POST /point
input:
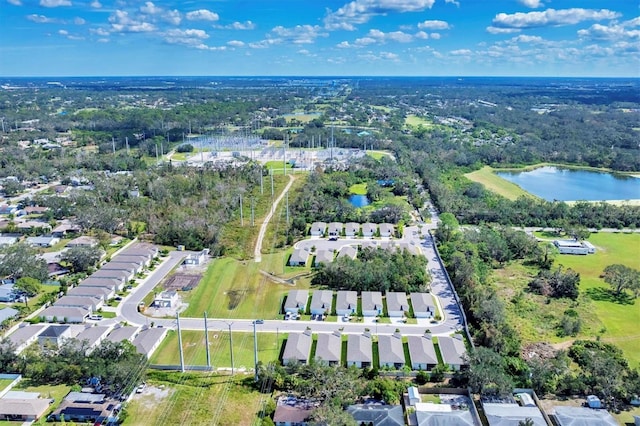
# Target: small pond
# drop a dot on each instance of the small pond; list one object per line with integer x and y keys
{"x": 359, "y": 200}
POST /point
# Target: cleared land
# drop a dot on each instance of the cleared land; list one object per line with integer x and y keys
{"x": 195, "y": 399}
{"x": 615, "y": 321}
{"x": 495, "y": 183}
{"x": 358, "y": 189}
{"x": 414, "y": 120}
{"x": 379, "y": 154}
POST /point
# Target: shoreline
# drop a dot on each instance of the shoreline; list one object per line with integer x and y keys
{"x": 635, "y": 174}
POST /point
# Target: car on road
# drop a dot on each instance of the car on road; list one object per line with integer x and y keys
{"x": 259, "y": 321}
{"x": 95, "y": 317}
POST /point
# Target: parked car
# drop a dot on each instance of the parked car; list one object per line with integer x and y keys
{"x": 95, "y": 317}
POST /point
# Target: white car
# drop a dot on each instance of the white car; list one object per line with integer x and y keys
{"x": 94, "y": 317}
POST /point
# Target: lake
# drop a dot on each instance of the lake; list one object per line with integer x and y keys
{"x": 553, "y": 183}
{"x": 359, "y": 200}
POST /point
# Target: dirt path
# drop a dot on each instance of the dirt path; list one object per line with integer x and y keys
{"x": 257, "y": 252}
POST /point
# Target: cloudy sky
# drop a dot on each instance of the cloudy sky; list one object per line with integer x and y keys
{"x": 320, "y": 37}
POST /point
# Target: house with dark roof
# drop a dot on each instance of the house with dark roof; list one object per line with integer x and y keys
{"x": 297, "y": 348}
{"x": 369, "y": 229}
{"x": 321, "y": 301}
{"x": 371, "y": 303}
{"x": 423, "y": 305}
{"x": 324, "y": 256}
{"x": 318, "y": 229}
{"x": 346, "y": 302}
{"x": 422, "y": 352}
{"x": 377, "y": 415}
{"x": 335, "y": 229}
{"x": 359, "y": 350}
{"x": 54, "y": 335}
{"x": 391, "y": 351}
{"x": 397, "y": 304}
{"x": 329, "y": 348}
{"x": 86, "y": 407}
{"x": 291, "y": 411}
{"x": 453, "y": 351}
{"x": 352, "y": 229}
{"x": 299, "y": 257}
{"x": 296, "y": 301}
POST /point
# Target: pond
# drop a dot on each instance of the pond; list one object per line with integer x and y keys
{"x": 554, "y": 183}
{"x": 359, "y": 200}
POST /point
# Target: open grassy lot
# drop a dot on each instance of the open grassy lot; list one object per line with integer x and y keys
{"x": 495, "y": 183}
{"x": 414, "y": 120}
{"x": 237, "y": 289}
{"x": 173, "y": 398}
{"x": 276, "y": 165}
{"x": 376, "y": 155}
{"x": 358, "y": 189}
{"x": 615, "y": 321}
{"x": 302, "y": 118}
{"x": 193, "y": 345}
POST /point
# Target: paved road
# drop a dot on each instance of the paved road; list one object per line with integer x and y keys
{"x": 257, "y": 253}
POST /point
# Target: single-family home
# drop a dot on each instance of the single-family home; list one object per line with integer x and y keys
{"x": 297, "y": 348}
{"x": 55, "y": 269}
{"x": 64, "y": 314}
{"x": 85, "y": 407}
{"x": 25, "y": 335}
{"x": 511, "y": 413}
{"x": 299, "y": 257}
{"x": 377, "y": 414}
{"x": 423, "y": 305}
{"x": 571, "y": 416}
{"x": 166, "y": 299}
{"x": 92, "y": 304}
{"x": 391, "y": 351}
{"x": 83, "y": 241}
{"x": 8, "y": 239}
{"x": 318, "y": 229}
{"x": 430, "y": 414}
{"x": 397, "y": 304}
{"x": 422, "y": 352}
{"x": 44, "y": 241}
{"x": 198, "y": 258}
{"x": 369, "y": 229}
{"x": 352, "y": 229}
{"x": 21, "y": 409}
{"x": 386, "y": 230}
{"x": 140, "y": 259}
{"x": 130, "y": 267}
{"x": 65, "y": 227}
{"x": 329, "y": 348}
{"x": 121, "y": 333}
{"x": 141, "y": 249}
{"x": 7, "y": 293}
{"x": 122, "y": 276}
{"x": 371, "y": 303}
{"x": 296, "y": 301}
{"x": 347, "y": 302}
{"x": 148, "y": 340}
{"x": 35, "y": 210}
{"x": 359, "y": 350}
{"x": 30, "y": 225}
{"x": 91, "y": 337}
{"x": 7, "y": 314}
{"x": 453, "y": 351}
{"x": 113, "y": 284}
{"x": 292, "y": 412}
{"x": 101, "y": 293}
{"x": 54, "y": 335}
{"x": 335, "y": 229}
{"x": 8, "y": 209}
{"x": 324, "y": 256}
{"x": 321, "y": 301}
{"x": 348, "y": 251}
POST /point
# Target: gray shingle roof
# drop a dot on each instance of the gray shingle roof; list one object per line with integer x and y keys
{"x": 452, "y": 350}
{"x": 397, "y": 301}
{"x": 297, "y": 299}
{"x": 324, "y": 256}
{"x": 148, "y": 339}
{"x": 422, "y": 302}
{"x": 348, "y": 251}
{"x": 421, "y": 350}
{"x": 390, "y": 349}
{"x": 329, "y": 347}
{"x": 122, "y": 333}
{"x": 371, "y": 300}
{"x": 321, "y": 299}
{"x": 347, "y": 300}
{"x": 511, "y": 414}
{"x": 359, "y": 348}
{"x": 379, "y": 415}
{"x": 298, "y": 347}
{"x": 583, "y": 416}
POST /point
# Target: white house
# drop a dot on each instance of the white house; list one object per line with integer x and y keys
{"x": 352, "y": 229}
{"x": 422, "y": 352}
{"x": 386, "y": 230}
{"x": 369, "y": 229}
{"x": 296, "y": 301}
{"x": 64, "y": 314}
{"x": 318, "y": 229}
{"x": 423, "y": 305}
{"x": 347, "y": 302}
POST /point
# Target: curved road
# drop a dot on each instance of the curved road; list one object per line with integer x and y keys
{"x": 416, "y": 235}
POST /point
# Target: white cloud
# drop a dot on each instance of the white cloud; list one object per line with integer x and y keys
{"x": 99, "y": 32}
{"x": 364, "y": 41}
{"x": 103, "y": 40}
{"x": 435, "y": 36}
{"x": 433, "y": 25}
{"x": 460, "y": 52}
{"x": 361, "y": 11}
{"x": 150, "y": 9}
{"x": 202, "y": 15}
{"x": 15, "y": 2}
{"x": 399, "y": 36}
{"x": 263, "y": 44}
{"x": 457, "y": 3}
{"x": 54, "y": 3}
{"x": 496, "y": 30}
{"x": 527, "y": 39}
{"x": 96, "y": 5}
{"x": 63, "y": 32}
{"x": 41, "y": 19}
{"x": 533, "y": 4}
{"x": 614, "y": 31}
{"x": 191, "y": 37}
{"x": 377, "y": 36}
{"x": 344, "y": 45}
{"x": 235, "y": 43}
{"x": 421, "y": 35}
{"x": 389, "y": 55}
{"x": 551, "y": 17}
{"x": 122, "y": 23}
{"x": 246, "y": 25}
{"x": 172, "y": 16}
{"x": 79, "y": 21}
{"x": 300, "y": 34}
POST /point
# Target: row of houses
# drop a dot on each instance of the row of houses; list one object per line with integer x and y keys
{"x": 351, "y": 229}
{"x": 145, "y": 339}
{"x": 92, "y": 293}
{"x": 370, "y": 303}
{"x": 300, "y": 255}
{"x": 391, "y": 350}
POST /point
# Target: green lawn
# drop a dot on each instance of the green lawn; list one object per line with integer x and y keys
{"x": 414, "y": 120}
{"x": 236, "y": 289}
{"x": 193, "y": 344}
{"x": 495, "y": 183}
{"x": 276, "y": 166}
{"x": 358, "y": 189}
{"x": 377, "y": 155}
{"x": 195, "y": 399}
{"x": 5, "y": 382}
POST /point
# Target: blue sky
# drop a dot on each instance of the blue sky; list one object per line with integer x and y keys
{"x": 320, "y": 37}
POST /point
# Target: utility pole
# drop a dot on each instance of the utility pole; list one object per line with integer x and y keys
{"x": 241, "y": 215}
{"x": 180, "y": 343}
{"x": 261, "y": 186}
{"x": 113, "y": 145}
{"x": 206, "y": 340}
{"x": 287, "y": 196}
{"x": 284, "y": 155}
{"x": 157, "y": 158}
{"x": 271, "y": 183}
{"x": 231, "y": 348}
{"x": 252, "y": 212}
{"x": 126, "y": 139}
{"x": 255, "y": 351}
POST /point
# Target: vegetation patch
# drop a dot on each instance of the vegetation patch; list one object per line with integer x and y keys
{"x": 358, "y": 189}
{"x": 491, "y": 181}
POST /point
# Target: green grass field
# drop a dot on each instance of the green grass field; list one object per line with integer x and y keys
{"x": 277, "y": 167}
{"x": 358, "y": 189}
{"x": 495, "y": 183}
{"x": 614, "y": 322}
{"x": 414, "y": 120}
{"x": 195, "y": 399}
{"x": 236, "y": 289}
{"x": 377, "y": 155}
{"x": 193, "y": 345}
